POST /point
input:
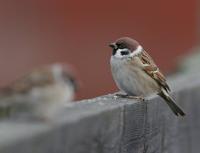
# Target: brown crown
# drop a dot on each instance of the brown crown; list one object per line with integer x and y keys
{"x": 127, "y": 43}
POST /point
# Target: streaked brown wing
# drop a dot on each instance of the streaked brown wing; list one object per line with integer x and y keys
{"x": 19, "y": 86}
{"x": 39, "y": 78}
{"x": 151, "y": 69}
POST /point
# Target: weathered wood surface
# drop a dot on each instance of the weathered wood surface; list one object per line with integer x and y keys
{"x": 106, "y": 125}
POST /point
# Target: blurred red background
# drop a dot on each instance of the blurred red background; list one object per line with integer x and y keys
{"x": 34, "y": 33}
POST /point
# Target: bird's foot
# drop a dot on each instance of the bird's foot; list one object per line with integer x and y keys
{"x": 120, "y": 96}
{"x": 141, "y": 98}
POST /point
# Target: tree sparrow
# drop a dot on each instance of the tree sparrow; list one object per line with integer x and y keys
{"x": 38, "y": 93}
{"x": 135, "y": 72}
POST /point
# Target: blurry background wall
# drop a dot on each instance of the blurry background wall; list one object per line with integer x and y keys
{"x": 37, "y": 32}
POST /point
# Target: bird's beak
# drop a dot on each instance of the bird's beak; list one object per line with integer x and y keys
{"x": 113, "y": 46}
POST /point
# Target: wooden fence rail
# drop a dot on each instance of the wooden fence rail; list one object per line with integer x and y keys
{"x": 106, "y": 125}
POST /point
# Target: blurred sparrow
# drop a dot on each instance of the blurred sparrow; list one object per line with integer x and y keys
{"x": 38, "y": 93}
{"x": 135, "y": 73}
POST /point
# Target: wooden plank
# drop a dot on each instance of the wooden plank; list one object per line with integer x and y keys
{"x": 106, "y": 125}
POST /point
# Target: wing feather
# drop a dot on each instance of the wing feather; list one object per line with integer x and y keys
{"x": 36, "y": 78}
{"x": 152, "y": 70}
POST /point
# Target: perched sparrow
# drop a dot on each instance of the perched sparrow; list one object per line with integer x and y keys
{"x": 39, "y": 93}
{"x": 135, "y": 72}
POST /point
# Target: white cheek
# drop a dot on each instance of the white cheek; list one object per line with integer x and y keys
{"x": 118, "y": 53}
{"x": 137, "y": 51}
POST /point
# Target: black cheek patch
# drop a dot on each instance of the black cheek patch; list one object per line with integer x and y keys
{"x": 124, "y": 52}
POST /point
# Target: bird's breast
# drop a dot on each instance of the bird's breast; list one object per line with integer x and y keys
{"x": 131, "y": 79}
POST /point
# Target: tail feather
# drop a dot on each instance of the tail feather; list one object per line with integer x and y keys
{"x": 176, "y": 109}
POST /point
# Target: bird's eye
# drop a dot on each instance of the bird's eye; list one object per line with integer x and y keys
{"x": 121, "y": 46}
{"x": 124, "y": 53}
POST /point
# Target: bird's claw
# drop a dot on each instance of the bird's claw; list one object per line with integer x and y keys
{"x": 137, "y": 98}
{"x": 115, "y": 97}
{"x": 128, "y": 96}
